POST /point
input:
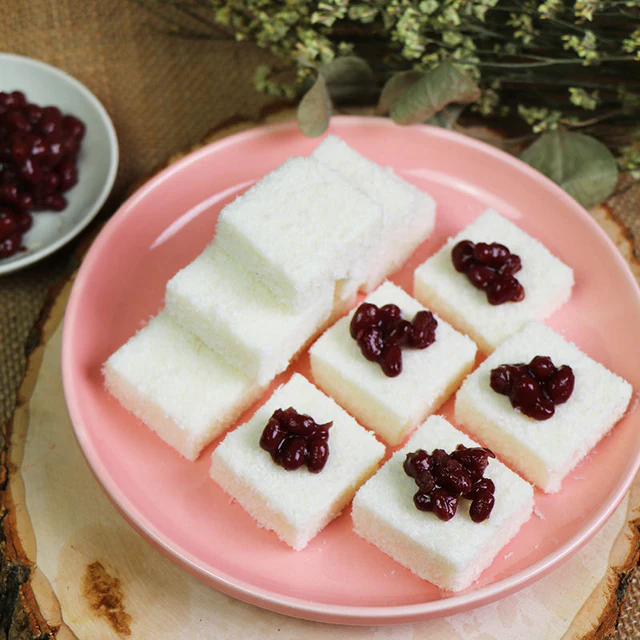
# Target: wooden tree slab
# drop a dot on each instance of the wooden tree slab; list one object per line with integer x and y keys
{"x": 71, "y": 567}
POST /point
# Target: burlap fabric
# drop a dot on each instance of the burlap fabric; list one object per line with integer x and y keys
{"x": 164, "y": 94}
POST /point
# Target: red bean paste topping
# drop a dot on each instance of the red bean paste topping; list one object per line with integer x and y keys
{"x": 444, "y": 478}
{"x": 534, "y": 388}
{"x": 381, "y": 332}
{"x": 489, "y": 267}
{"x": 294, "y": 439}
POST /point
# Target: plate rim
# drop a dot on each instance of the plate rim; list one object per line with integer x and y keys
{"x": 36, "y": 255}
{"x": 299, "y": 607}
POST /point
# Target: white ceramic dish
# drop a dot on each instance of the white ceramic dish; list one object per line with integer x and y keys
{"x": 97, "y": 162}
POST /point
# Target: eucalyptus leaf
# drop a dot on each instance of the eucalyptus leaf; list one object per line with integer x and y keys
{"x": 395, "y": 87}
{"x": 580, "y": 164}
{"x": 431, "y": 93}
{"x": 446, "y": 118}
{"x": 314, "y": 109}
{"x": 349, "y": 80}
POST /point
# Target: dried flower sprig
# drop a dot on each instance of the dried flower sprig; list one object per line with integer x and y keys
{"x": 556, "y": 65}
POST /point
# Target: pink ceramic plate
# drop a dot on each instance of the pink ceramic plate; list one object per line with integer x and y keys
{"x": 339, "y": 577}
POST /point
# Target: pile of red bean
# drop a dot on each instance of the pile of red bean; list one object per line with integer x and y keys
{"x": 490, "y": 268}
{"x": 38, "y": 163}
{"x": 535, "y": 388}
{"x": 444, "y": 478}
{"x": 294, "y": 439}
{"x": 381, "y": 332}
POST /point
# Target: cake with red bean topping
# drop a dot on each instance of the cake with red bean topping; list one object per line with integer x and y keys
{"x": 541, "y": 404}
{"x": 491, "y": 279}
{"x": 447, "y": 545}
{"x": 408, "y": 380}
{"x": 296, "y": 498}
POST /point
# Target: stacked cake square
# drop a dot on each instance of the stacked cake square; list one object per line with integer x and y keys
{"x": 185, "y": 392}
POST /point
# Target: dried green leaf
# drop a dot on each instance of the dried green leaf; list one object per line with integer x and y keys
{"x": 580, "y": 164}
{"x": 431, "y": 93}
{"x": 349, "y": 80}
{"x": 395, "y": 87}
{"x": 314, "y": 109}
